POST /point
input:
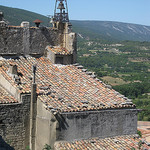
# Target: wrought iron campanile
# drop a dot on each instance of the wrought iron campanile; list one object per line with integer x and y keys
{"x": 61, "y": 11}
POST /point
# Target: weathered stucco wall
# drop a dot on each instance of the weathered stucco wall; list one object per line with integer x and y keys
{"x": 45, "y": 127}
{"x": 103, "y": 124}
{"x": 49, "y": 54}
{"x": 14, "y": 124}
{"x": 25, "y": 41}
{"x": 12, "y": 90}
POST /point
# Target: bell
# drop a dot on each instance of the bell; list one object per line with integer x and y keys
{"x": 61, "y": 6}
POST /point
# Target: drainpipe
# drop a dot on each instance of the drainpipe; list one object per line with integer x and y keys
{"x": 33, "y": 111}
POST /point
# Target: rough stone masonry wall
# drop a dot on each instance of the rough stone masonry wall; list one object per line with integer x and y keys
{"x": 41, "y": 37}
{"x": 102, "y": 124}
{"x": 25, "y": 41}
{"x": 11, "y": 40}
{"x": 14, "y": 124}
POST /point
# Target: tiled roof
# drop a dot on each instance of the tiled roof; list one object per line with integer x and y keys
{"x": 37, "y": 21}
{"x": 115, "y": 143}
{"x": 5, "y": 97}
{"x": 59, "y": 50}
{"x": 64, "y": 88}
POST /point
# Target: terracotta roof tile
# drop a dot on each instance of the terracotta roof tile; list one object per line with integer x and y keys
{"x": 64, "y": 88}
{"x": 59, "y": 50}
{"x": 37, "y": 21}
{"x": 5, "y": 97}
{"x": 115, "y": 143}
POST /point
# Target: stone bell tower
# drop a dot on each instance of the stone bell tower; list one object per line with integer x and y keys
{"x": 67, "y": 39}
{"x": 60, "y": 14}
{"x": 60, "y": 19}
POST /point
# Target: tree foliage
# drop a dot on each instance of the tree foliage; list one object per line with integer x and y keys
{"x": 47, "y": 147}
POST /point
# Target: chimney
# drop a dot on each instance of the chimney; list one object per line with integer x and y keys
{"x": 37, "y": 22}
{"x": 26, "y": 37}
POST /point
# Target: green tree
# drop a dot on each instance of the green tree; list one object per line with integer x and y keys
{"x": 47, "y": 147}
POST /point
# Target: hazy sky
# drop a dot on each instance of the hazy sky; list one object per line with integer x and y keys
{"x": 131, "y": 11}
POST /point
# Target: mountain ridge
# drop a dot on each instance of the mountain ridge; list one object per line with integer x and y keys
{"x": 115, "y": 30}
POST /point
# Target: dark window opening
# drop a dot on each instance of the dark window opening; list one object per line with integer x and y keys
{"x": 59, "y": 60}
{"x": 55, "y": 25}
{"x": 1, "y": 121}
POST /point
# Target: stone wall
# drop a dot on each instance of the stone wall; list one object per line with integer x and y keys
{"x": 11, "y": 40}
{"x": 70, "y": 41}
{"x": 41, "y": 37}
{"x": 83, "y": 125}
{"x": 25, "y": 41}
{"x": 102, "y": 124}
{"x": 14, "y": 124}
